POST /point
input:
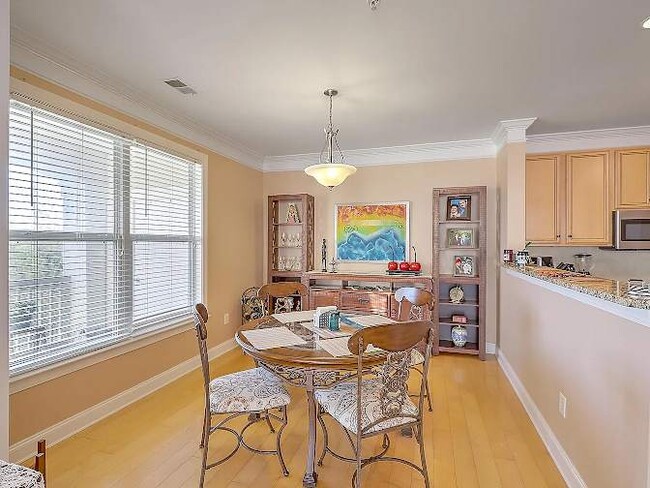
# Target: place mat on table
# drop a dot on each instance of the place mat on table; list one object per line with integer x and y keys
{"x": 369, "y": 320}
{"x": 272, "y": 337}
{"x": 325, "y": 333}
{"x": 338, "y": 347}
{"x": 288, "y": 317}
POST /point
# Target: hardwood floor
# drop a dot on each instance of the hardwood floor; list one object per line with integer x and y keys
{"x": 477, "y": 436}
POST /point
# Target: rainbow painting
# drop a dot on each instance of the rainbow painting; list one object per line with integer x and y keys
{"x": 372, "y": 231}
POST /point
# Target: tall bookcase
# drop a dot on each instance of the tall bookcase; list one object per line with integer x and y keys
{"x": 474, "y": 287}
{"x": 290, "y": 244}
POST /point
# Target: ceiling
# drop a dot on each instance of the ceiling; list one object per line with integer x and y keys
{"x": 414, "y": 71}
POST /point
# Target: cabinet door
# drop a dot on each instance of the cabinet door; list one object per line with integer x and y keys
{"x": 542, "y": 199}
{"x": 632, "y": 178}
{"x": 325, "y": 298}
{"x": 588, "y": 209}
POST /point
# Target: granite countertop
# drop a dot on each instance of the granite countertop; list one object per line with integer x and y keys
{"x": 606, "y": 289}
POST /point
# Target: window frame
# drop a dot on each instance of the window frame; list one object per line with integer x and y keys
{"x": 158, "y": 329}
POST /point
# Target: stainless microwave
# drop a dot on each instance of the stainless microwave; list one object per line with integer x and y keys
{"x": 631, "y": 229}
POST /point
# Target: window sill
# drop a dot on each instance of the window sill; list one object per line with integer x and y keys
{"x": 36, "y": 377}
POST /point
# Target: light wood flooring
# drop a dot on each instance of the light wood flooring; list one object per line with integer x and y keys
{"x": 477, "y": 436}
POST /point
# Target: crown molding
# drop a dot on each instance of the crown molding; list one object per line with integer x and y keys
{"x": 589, "y": 139}
{"x": 383, "y": 156}
{"x": 511, "y": 131}
{"x": 35, "y": 56}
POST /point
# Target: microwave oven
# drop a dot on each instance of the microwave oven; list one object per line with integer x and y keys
{"x": 631, "y": 229}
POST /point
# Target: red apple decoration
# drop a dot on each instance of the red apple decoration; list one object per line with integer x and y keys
{"x": 415, "y": 266}
{"x": 404, "y": 266}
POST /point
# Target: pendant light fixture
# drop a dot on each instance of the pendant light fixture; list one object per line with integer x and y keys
{"x": 332, "y": 171}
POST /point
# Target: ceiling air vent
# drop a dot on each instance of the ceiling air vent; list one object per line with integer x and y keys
{"x": 180, "y": 86}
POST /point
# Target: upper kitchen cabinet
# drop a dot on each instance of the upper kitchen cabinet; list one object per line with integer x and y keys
{"x": 543, "y": 185}
{"x": 632, "y": 178}
{"x": 588, "y": 201}
{"x": 569, "y": 199}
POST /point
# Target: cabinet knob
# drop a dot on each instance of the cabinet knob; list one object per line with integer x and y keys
{"x": 570, "y": 236}
{"x": 557, "y": 236}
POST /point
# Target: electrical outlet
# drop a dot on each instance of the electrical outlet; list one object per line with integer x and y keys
{"x": 562, "y": 405}
{"x": 226, "y": 318}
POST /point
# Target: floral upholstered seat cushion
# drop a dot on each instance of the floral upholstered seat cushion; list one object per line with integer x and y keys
{"x": 341, "y": 403}
{"x": 16, "y": 476}
{"x": 247, "y": 391}
{"x": 416, "y": 357}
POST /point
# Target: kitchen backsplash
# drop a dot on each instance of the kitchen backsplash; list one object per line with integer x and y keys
{"x": 618, "y": 265}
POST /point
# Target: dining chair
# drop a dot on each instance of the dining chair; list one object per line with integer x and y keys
{"x": 414, "y": 303}
{"x": 254, "y": 392}
{"x": 280, "y": 297}
{"x": 378, "y": 402}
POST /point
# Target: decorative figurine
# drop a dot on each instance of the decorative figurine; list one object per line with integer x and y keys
{"x": 323, "y": 256}
{"x": 283, "y": 240}
{"x": 333, "y": 264}
{"x": 292, "y": 214}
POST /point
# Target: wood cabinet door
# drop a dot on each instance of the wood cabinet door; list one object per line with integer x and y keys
{"x": 588, "y": 207}
{"x": 543, "y": 199}
{"x": 632, "y": 179}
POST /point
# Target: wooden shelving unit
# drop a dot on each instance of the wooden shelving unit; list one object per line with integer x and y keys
{"x": 288, "y": 262}
{"x": 474, "y": 287}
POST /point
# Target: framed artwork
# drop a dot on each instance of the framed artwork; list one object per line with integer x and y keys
{"x": 465, "y": 266}
{"x": 371, "y": 232}
{"x": 459, "y": 208}
{"x": 461, "y": 238}
{"x": 292, "y": 214}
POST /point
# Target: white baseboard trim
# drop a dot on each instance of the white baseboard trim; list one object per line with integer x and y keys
{"x": 26, "y": 448}
{"x": 490, "y": 348}
{"x": 560, "y": 457}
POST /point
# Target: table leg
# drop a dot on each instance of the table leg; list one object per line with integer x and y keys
{"x": 310, "y": 478}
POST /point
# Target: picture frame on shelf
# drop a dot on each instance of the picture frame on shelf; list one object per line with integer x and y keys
{"x": 459, "y": 207}
{"x": 461, "y": 238}
{"x": 464, "y": 266}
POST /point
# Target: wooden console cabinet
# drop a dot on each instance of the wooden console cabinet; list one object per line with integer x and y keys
{"x": 352, "y": 291}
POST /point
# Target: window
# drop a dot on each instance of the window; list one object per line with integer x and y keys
{"x": 104, "y": 238}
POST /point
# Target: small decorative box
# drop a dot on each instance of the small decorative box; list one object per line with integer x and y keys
{"x": 459, "y": 319}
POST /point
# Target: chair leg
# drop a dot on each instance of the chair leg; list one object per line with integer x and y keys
{"x": 206, "y": 417}
{"x": 283, "y": 466}
{"x": 325, "y": 437}
{"x": 268, "y": 422}
{"x": 426, "y": 389}
{"x": 206, "y": 443}
{"x": 423, "y": 457}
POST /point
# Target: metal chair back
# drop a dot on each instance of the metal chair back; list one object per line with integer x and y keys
{"x": 398, "y": 340}
{"x": 413, "y": 303}
{"x": 279, "y": 297}
{"x": 200, "y": 324}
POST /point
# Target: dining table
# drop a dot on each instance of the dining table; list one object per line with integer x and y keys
{"x": 308, "y": 365}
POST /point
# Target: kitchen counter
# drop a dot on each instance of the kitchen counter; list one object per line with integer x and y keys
{"x": 610, "y": 290}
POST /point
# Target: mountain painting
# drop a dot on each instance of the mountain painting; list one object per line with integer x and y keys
{"x": 372, "y": 232}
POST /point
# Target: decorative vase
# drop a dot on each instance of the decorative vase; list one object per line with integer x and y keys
{"x": 459, "y": 335}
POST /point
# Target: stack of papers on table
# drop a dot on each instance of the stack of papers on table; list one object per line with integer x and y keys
{"x": 287, "y": 318}
{"x": 272, "y": 337}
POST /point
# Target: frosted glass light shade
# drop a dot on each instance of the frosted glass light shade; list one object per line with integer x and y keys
{"x": 330, "y": 174}
{"x": 646, "y": 23}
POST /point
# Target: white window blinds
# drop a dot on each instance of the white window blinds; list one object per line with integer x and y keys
{"x": 105, "y": 237}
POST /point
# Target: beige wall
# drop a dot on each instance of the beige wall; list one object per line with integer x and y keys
{"x": 412, "y": 182}
{"x": 4, "y": 332}
{"x": 600, "y": 362}
{"x": 233, "y": 262}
